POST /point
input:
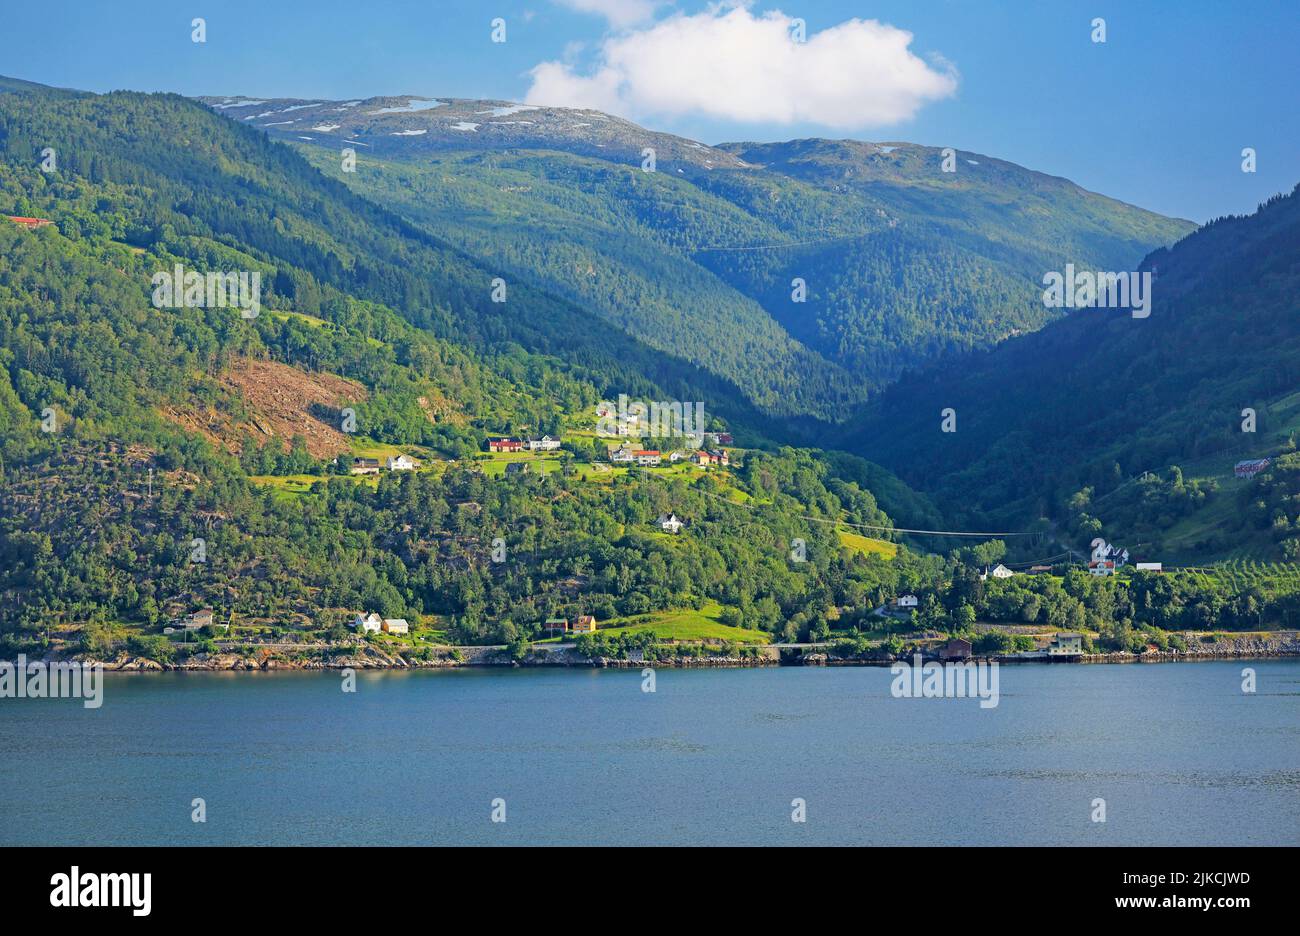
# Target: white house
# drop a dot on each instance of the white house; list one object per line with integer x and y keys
{"x": 197, "y": 619}
{"x": 401, "y": 463}
{"x": 622, "y": 454}
{"x": 544, "y": 444}
{"x": 669, "y": 523}
{"x": 368, "y": 622}
{"x": 647, "y": 457}
{"x": 1101, "y": 567}
{"x": 999, "y": 572}
{"x": 395, "y": 626}
{"x": 905, "y": 601}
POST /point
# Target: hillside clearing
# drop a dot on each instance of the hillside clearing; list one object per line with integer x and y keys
{"x": 687, "y": 625}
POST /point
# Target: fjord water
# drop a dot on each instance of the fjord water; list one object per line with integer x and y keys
{"x": 1177, "y": 751}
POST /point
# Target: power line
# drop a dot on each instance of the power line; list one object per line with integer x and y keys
{"x": 1030, "y": 562}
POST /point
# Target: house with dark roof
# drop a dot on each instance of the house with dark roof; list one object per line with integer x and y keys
{"x": 669, "y": 523}
{"x": 955, "y": 649}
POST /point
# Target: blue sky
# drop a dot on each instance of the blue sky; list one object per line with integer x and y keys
{"x": 1157, "y": 115}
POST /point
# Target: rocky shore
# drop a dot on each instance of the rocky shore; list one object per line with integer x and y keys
{"x": 1232, "y": 647}
{"x": 366, "y": 657}
{"x": 1224, "y": 647}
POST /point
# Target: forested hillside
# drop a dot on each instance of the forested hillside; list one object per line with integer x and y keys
{"x": 1123, "y": 427}
{"x": 911, "y": 262}
{"x": 616, "y": 241}
{"x": 220, "y": 192}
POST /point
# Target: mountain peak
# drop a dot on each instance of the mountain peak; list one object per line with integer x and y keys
{"x": 413, "y": 124}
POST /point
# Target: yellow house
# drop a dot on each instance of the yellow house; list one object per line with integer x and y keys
{"x": 1064, "y": 644}
{"x": 584, "y": 624}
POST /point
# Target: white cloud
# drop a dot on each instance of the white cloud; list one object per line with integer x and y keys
{"x": 620, "y": 13}
{"x": 734, "y": 65}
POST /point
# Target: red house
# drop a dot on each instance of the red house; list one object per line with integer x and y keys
{"x": 29, "y": 222}
{"x": 705, "y": 457}
{"x": 505, "y": 445}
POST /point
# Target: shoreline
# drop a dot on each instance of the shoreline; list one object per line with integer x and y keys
{"x": 495, "y": 657}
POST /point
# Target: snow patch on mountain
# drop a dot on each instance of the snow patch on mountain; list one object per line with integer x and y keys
{"x": 410, "y": 107}
{"x": 509, "y": 110}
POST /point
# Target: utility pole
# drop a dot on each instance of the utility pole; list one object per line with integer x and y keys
{"x": 151, "y": 484}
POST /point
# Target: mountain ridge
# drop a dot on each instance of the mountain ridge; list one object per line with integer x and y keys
{"x": 902, "y": 262}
